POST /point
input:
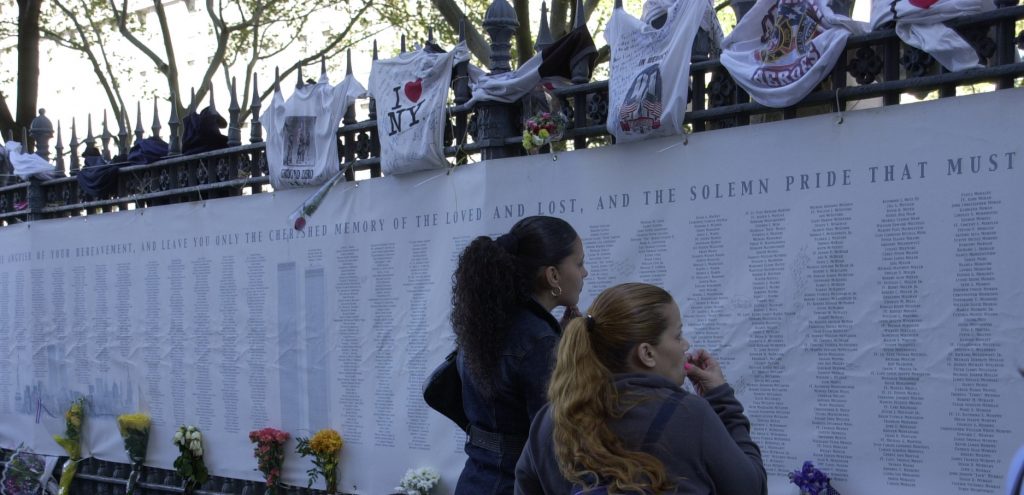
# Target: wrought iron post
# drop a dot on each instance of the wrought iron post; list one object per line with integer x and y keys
{"x": 156, "y": 120}
{"x": 140, "y": 133}
{"x": 350, "y": 112}
{"x": 497, "y": 121}
{"x": 122, "y": 134}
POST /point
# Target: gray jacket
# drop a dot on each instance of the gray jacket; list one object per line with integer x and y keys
{"x": 705, "y": 445}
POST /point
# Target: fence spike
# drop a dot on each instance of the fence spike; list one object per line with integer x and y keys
{"x": 174, "y": 122}
{"x": 156, "y": 119}
{"x": 348, "y": 62}
{"x": 255, "y": 128}
{"x": 544, "y": 34}
{"x": 234, "y": 133}
{"x": 74, "y": 148}
{"x": 58, "y": 148}
{"x": 139, "y": 131}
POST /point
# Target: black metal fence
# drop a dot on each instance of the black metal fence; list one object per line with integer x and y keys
{"x": 876, "y": 66}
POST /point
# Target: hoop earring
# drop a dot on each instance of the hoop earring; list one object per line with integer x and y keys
{"x": 556, "y": 294}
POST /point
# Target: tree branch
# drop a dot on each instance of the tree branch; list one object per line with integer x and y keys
{"x": 452, "y": 14}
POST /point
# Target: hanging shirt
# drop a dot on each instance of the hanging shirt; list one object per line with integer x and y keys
{"x": 411, "y": 91}
{"x": 302, "y": 133}
{"x": 550, "y": 68}
{"x": 919, "y": 23}
{"x": 782, "y": 49}
{"x": 650, "y": 70}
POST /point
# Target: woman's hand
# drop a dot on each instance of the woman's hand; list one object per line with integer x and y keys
{"x": 703, "y": 371}
{"x": 570, "y": 313}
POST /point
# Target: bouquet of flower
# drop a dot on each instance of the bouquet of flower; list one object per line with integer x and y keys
{"x": 270, "y": 455}
{"x": 135, "y": 432}
{"x": 419, "y": 481}
{"x": 812, "y": 481}
{"x": 541, "y": 129}
{"x": 325, "y": 448}
{"x": 22, "y": 472}
{"x": 71, "y": 441}
{"x": 189, "y": 464}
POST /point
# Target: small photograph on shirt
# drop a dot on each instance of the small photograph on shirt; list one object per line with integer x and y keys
{"x": 300, "y": 147}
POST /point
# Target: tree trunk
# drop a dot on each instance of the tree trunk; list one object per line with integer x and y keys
{"x": 28, "y": 63}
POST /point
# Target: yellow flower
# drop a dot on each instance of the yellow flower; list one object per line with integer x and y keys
{"x": 136, "y": 421}
{"x": 326, "y": 441}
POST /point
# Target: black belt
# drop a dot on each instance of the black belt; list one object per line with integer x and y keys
{"x": 496, "y": 442}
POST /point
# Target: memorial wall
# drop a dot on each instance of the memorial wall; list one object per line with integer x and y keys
{"x": 860, "y": 281}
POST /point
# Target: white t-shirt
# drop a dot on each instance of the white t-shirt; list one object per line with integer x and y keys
{"x": 804, "y": 40}
{"x": 650, "y": 71}
{"x": 919, "y": 23}
{"x": 411, "y": 91}
{"x": 302, "y": 133}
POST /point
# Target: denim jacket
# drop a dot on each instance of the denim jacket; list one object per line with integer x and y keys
{"x": 525, "y": 366}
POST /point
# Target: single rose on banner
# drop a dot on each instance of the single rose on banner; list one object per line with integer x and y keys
{"x": 71, "y": 441}
{"x": 419, "y": 481}
{"x": 812, "y": 481}
{"x": 269, "y": 453}
{"x": 189, "y": 464}
{"x": 325, "y": 448}
{"x": 135, "y": 432}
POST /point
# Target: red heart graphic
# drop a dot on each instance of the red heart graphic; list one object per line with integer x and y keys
{"x": 922, "y": 4}
{"x": 413, "y": 90}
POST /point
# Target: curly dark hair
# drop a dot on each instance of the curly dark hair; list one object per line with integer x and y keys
{"x": 493, "y": 279}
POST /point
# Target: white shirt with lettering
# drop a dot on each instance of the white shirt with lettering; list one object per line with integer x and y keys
{"x": 411, "y": 91}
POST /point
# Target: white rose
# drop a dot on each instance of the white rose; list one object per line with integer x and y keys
{"x": 178, "y": 440}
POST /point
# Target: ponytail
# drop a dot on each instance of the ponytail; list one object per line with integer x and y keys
{"x": 487, "y": 288}
{"x": 584, "y": 398}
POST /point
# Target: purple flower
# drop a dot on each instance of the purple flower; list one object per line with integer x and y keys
{"x": 811, "y": 480}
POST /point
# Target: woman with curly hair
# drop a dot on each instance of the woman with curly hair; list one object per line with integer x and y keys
{"x": 618, "y": 421}
{"x": 503, "y": 293}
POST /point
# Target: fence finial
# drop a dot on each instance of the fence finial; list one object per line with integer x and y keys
{"x": 544, "y": 34}
{"x": 105, "y": 136}
{"x": 581, "y": 15}
{"x": 139, "y": 132}
{"x": 430, "y": 34}
{"x": 462, "y": 29}
{"x": 348, "y": 62}
{"x": 255, "y": 129}
{"x": 156, "y": 120}
{"x": 74, "y": 148}
{"x": 59, "y": 149}
{"x": 174, "y": 144}
{"x": 501, "y": 23}
{"x": 213, "y": 106}
{"x": 298, "y": 81}
{"x": 193, "y": 107}
{"x": 403, "y": 44}
{"x": 234, "y": 133}
{"x": 89, "y": 138}
{"x": 373, "y": 101}
{"x": 323, "y": 65}
{"x": 122, "y": 132}
{"x": 277, "y": 78}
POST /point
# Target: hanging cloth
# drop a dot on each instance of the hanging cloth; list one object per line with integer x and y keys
{"x": 302, "y": 133}
{"x": 411, "y": 91}
{"x": 782, "y": 49}
{"x": 650, "y": 69}
{"x": 919, "y": 23}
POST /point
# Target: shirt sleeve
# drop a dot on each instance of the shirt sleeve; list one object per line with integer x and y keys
{"x": 732, "y": 458}
{"x": 535, "y": 372}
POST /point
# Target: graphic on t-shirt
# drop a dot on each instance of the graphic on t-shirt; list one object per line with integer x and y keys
{"x": 412, "y": 91}
{"x": 787, "y": 35}
{"x": 641, "y": 108}
{"x": 300, "y": 146}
